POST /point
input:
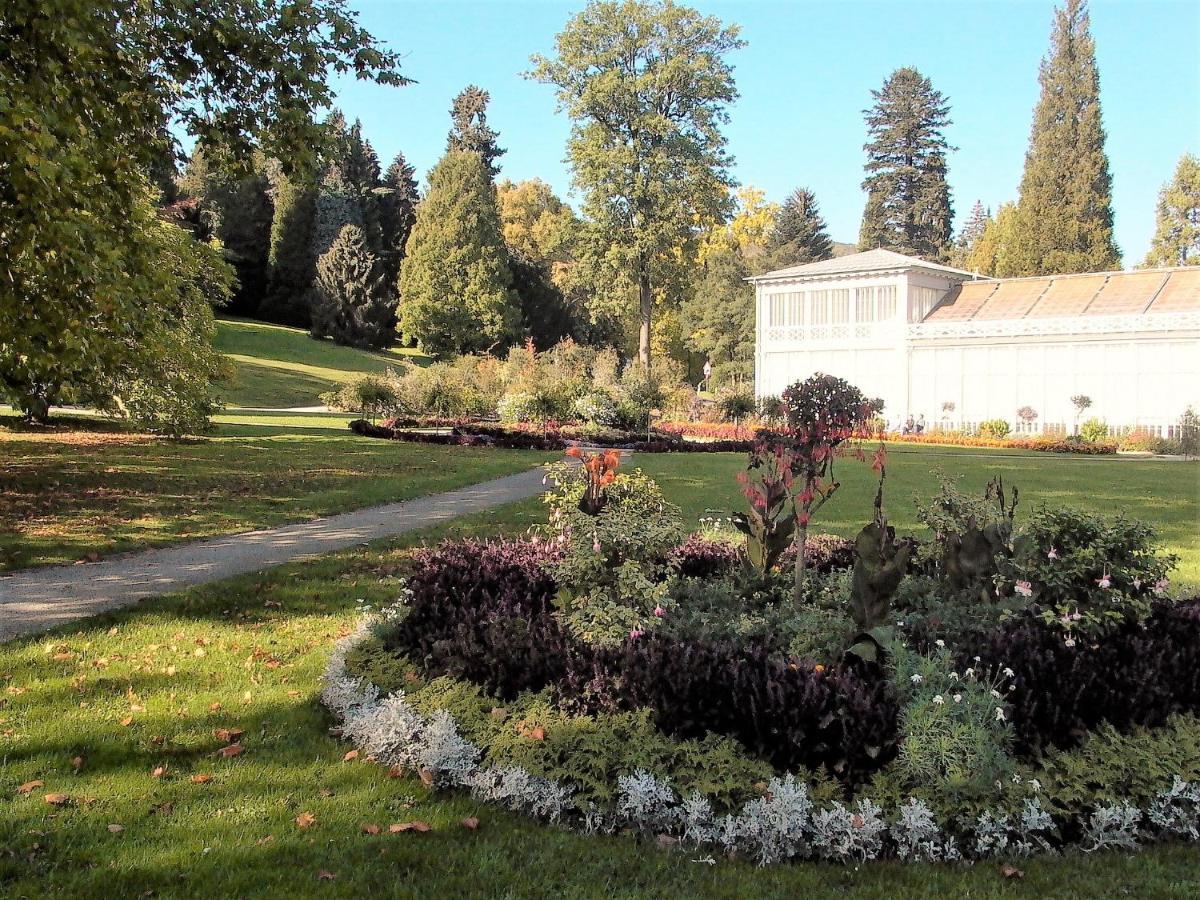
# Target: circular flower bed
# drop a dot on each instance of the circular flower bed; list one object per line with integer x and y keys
{"x": 614, "y": 672}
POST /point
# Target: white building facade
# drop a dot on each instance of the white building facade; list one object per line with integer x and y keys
{"x": 958, "y": 349}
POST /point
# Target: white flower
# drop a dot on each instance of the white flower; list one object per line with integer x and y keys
{"x": 940, "y": 642}
{"x": 917, "y": 679}
{"x": 954, "y": 676}
{"x": 1008, "y": 673}
{"x": 996, "y": 694}
{"x": 1070, "y": 642}
{"x": 1000, "y": 714}
{"x": 939, "y": 700}
{"x": 958, "y": 698}
{"x": 978, "y": 659}
{"x": 1160, "y": 586}
{"x": 1053, "y": 554}
{"x": 1104, "y": 581}
{"x": 1024, "y": 588}
{"x": 970, "y": 673}
{"x": 1035, "y": 784}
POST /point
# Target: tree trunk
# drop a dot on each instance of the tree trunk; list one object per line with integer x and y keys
{"x": 645, "y": 309}
{"x": 801, "y": 541}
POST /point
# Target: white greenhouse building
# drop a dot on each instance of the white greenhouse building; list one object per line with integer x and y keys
{"x": 959, "y": 349}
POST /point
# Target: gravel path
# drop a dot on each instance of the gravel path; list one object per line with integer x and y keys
{"x": 37, "y": 599}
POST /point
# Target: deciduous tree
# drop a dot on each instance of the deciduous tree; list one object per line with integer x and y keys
{"x": 647, "y": 85}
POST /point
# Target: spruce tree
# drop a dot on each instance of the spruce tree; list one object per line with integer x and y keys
{"x": 291, "y": 257}
{"x": 800, "y": 234}
{"x": 361, "y": 170}
{"x": 398, "y": 199}
{"x": 968, "y": 237}
{"x": 469, "y": 129}
{"x": 349, "y": 295}
{"x": 1065, "y": 210}
{"x": 1177, "y": 229}
{"x": 908, "y": 199}
{"x": 455, "y": 284}
{"x": 337, "y": 204}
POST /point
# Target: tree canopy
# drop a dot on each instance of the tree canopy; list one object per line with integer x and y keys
{"x": 908, "y": 198}
{"x": 647, "y": 85}
{"x": 469, "y": 129}
{"x": 1065, "y": 211}
{"x": 1177, "y": 220}
{"x": 800, "y": 234}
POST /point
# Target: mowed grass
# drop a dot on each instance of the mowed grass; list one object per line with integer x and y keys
{"x": 278, "y": 367}
{"x": 81, "y": 494}
{"x": 94, "y": 711}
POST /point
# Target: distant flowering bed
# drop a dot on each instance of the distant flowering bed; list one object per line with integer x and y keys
{"x": 729, "y": 431}
{"x": 471, "y": 680}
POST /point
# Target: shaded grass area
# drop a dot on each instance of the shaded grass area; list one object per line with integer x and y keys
{"x": 1166, "y": 494}
{"x": 127, "y": 693}
{"x": 69, "y": 495}
{"x": 276, "y": 366}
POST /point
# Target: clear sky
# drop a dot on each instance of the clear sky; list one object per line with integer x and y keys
{"x": 804, "y": 78}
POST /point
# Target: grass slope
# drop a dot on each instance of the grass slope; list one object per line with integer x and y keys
{"x": 67, "y": 495}
{"x": 277, "y": 367}
{"x": 130, "y": 694}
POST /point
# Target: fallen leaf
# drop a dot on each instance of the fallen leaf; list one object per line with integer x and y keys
{"x": 352, "y": 754}
{"x": 1007, "y": 871}
{"x": 264, "y": 840}
{"x": 159, "y": 771}
{"x": 398, "y": 827}
{"x": 127, "y": 721}
{"x": 325, "y": 875}
{"x": 201, "y": 779}
{"x": 64, "y": 656}
{"x": 666, "y": 842}
{"x": 370, "y": 829}
{"x": 77, "y": 764}
{"x": 163, "y": 809}
{"x": 426, "y": 778}
{"x": 231, "y": 750}
{"x": 325, "y": 792}
{"x": 58, "y": 799}
{"x": 30, "y": 786}
{"x": 396, "y": 771}
{"x": 470, "y": 822}
{"x": 214, "y": 707}
{"x": 115, "y": 828}
{"x": 538, "y": 734}
{"x": 229, "y": 735}
{"x": 305, "y": 819}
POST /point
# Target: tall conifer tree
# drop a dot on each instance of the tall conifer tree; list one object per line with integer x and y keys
{"x": 800, "y": 234}
{"x": 469, "y": 129}
{"x": 455, "y": 284}
{"x": 972, "y": 231}
{"x": 350, "y": 301}
{"x": 291, "y": 258}
{"x": 398, "y": 199}
{"x": 1177, "y": 226}
{"x": 1065, "y": 211}
{"x": 908, "y": 199}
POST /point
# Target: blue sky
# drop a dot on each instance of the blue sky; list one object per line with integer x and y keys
{"x": 804, "y": 77}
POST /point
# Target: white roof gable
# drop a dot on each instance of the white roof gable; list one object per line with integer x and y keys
{"x": 878, "y": 260}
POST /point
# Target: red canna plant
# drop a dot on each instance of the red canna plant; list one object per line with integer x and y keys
{"x": 600, "y": 470}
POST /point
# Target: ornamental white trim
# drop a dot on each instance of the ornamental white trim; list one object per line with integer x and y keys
{"x": 986, "y": 328}
{"x": 883, "y": 332}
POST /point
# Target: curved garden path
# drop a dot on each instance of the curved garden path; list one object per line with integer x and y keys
{"x": 34, "y": 600}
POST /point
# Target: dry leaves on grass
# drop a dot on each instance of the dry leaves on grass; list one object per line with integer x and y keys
{"x": 470, "y": 823}
{"x": 30, "y": 786}
{"x": 398, "y": 827}
{"x": 305, "y": 820}
{"x": 115, "y": 828}
{"x": 350, "y": 755}
{"x": 58, "y": 799}
{"x": 231, "y": 750}
{"x": 1007, "y": 871}
{"x": 201, "y": 779}
{"x": 159, "y": 771}
{"x": 368, "y": 828}
{"x": 325, "y": 875}
{"x": 229, "y": 735}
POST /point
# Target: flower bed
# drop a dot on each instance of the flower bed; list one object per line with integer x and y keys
{"x": 524, "y": 438}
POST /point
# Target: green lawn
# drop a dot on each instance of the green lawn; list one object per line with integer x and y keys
{"x": 278, "y": 367}
{"x": 67, "y": 495}
{"x": 93, "y": 711}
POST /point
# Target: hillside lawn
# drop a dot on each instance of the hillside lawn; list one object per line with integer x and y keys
{"x": 275, "y": 367}
{"x": 120, "y": 714}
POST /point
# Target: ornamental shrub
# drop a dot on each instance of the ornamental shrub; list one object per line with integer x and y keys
{"x": 1134, "y": 675}
{"x": 700, "y": 557}
{"x": 995, "y": 428}
{"x": 1088, "y": 573}
{"x": 371, "y": 396}
{"x": 612, "y": 571}
{"x": 1094, "y": 430}
{"x": 596, "y": 408}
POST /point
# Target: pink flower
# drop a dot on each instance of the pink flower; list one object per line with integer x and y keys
{"x": 1024, "y": 588}
{"x": 1053, "y": 554}
{"x": 595, "y": 545}
{"x": 1160, "y": 586}
{"x": 635, "y": 634}
{"x": 1104, "y": 581}
{"x": 659, "y": 611}
{"x": 1070, "y": 642}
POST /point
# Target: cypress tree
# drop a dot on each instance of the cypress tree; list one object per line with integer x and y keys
{"x": 454, "y": 280}
{"x": 800, "y": 234}
{"x": 398, "y": 199}
{"x": 908, "y": 199}
{"x": 350, "y": 301}
{"x": 1065, "y": 211}
{"x": 1177, "y": 227}
{"x": 469, "y": 129}
{"x": 291, "y": 257}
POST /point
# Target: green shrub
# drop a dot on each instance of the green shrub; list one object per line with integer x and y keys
{"x": 1189, "y": 433}
{"x": 996, "y": 428}
{"x": 1094, "y": 430}
{"x": 596, "y": 408}
{"x": 465, "y": 387}
{"x": 736, "y": 403}
{"x": 371, "y": 396}
{"x": 529, "y": 407}
{"x": 613, "y": 566}
{"x": 1088, "y": 573}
